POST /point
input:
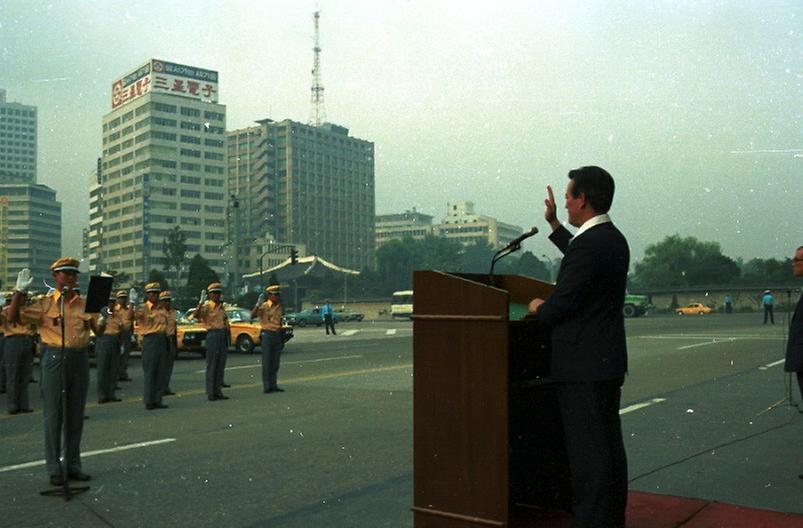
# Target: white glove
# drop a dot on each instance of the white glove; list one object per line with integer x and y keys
{"x": 2, "y": 300}
{"x": 24, "y": 280}
{"x": 104, "y": 314}
{"x": 261, "y": 299}
{"x": 203, "y": 297}
{"x": 133, "y": 297}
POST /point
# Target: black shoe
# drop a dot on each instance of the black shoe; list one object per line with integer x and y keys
{"x": 225, "y": 385}
{"x": 115, "y": 400}
{"x": 32, "y": 381}
{"x": 266, "y": 391}
{"x": 168, "y": 393}
{"x": 117, "y": 387}
{"x": 160, "y": 406}
{"x": 81, "y": 477}
{"x": 212, "y": 398}
{"x": 221, "y": 397}
{"x": 124, "y": 379}
{"x": 276, "y": 389}
{"x": 15, "y": 411}
{"x": 150, "y": 407}
{"x": 26, "y": 410}
{"x": 104, "y": 400}
{"x": 56, "y": 480}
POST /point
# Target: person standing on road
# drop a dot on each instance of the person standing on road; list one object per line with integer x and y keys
{"x": 123, "y": 307}
{"x": 212, "y": 316}
{"x": 152, "y": 323}
{"x": 589, "y": 353}
{"x": 328, "y": 315}
{"x": 794, "y": 346}
{"x": 270, "y": 314}
{"x": 45, "y": 315}
{"x": 17, "y": 364}
{"x": 165, "y": 303}
{"x": 768, "y": 301}
{"x": 107, "y": 352}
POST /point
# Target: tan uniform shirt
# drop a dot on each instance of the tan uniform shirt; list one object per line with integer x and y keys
{"x": 270, "y": 316}
{"x": 114, "y": 323}
{"x": 127, "y": 319}
{"x": 211, "y": 316}
{"x": 14, "y": 329}
{"x": 151, "y": 319}
{"x": 171, "y": 322}
{"x": 45, "y": 315}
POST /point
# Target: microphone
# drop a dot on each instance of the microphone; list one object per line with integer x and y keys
{"x": 521, "y": 238}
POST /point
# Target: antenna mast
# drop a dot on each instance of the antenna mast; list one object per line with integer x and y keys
{"x": 317, "y": 112}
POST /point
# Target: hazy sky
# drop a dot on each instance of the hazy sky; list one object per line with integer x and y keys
{"x": 695, "y": 106}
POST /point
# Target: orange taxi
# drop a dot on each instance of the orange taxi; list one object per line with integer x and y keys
{"x": 694, "y": 308}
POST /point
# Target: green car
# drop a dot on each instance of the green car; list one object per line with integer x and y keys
{"x": 310, "y": 316}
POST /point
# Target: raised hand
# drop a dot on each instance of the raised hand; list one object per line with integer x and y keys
{"x": 104, "y": 315}
{"x": 203, "y": 297}
{"x": 24, "y": 280}
{"x": 261, "y": 299}
{"x": 133, "y": 297}
{"x": 551, "y": 211}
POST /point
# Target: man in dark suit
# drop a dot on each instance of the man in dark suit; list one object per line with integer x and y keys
{"x": 589, "y": 354}
{"x": 794, "y": 347}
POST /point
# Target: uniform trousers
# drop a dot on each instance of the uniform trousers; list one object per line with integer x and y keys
{"x": 125, "y": 351}
{"x": 2, "y": 365}
{"x": 171, "y": 358}
{"x": 154, "y": 358}
{"x": 597, "y": 460}
{"x": 215, "y": 344}
{"x": 75, "y": 363}
{"x": 272, "y": 345}
{"x": 107, "y": 352}
{"x": 768, "y": 313}
{"x": 18, "y": 352}
{"x": 329, "y": 322}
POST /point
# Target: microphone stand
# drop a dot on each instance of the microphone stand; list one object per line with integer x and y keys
{"x": 65, "y": 490}
{"x": 499, "y": 255}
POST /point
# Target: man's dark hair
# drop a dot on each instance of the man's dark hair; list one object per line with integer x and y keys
{"x": 596, "y": 184}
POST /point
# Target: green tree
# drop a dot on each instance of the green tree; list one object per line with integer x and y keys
{"x": 174, "y": 249}
{"x": 200, "y": 275}
{"x": 529, "y": 265}
{"x": 759, "y": 272}
{"x": 683, "y": 262}
{"x": 157, "y": 276}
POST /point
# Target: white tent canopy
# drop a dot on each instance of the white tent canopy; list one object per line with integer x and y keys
{"x": 305, "y": 266}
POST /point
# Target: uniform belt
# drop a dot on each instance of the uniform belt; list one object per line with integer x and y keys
{"x": 154, "y": 334}
{"x": 107, "y": 334}
{"x": 18, "y": 335}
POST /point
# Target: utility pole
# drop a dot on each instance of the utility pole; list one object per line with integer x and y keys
{"x": 317, "y": 112}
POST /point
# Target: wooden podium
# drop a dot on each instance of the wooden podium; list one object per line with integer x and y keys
{"x": 487, "y": 441}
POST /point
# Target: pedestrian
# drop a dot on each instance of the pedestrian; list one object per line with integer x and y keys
{"x": 328, "y": 315}
{"x": 126, "y": 333}
{"x": 165, "y": 303}
{"x": 794, "y": 346}
{"x": 270, "y": 313}
{"x": 17, "y": 363}
{"x": 589, "y": 354}
{"x": 67, "y": 360}
{"x": 152, "y": 323}
{"x": 107, "y": 351}
{"x": 768, "y": 301}
{"x": 212, "y": 316}
{"x": 728, "y": 303}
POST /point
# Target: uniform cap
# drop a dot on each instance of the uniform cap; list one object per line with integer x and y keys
{"x": 766, "y": 291}
{"x": 153, "y": 287}
{"x": 122, "y": 293}
{"x": 65, "y": 264}
{"x": 165, "y": 296}
{"x": 214, "y": 287}
{"x": 274, "y": 289}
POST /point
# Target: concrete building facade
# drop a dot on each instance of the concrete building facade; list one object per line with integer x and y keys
{"x": 163, "y": 165}
{"x": 303, "y": 184}
{"x": 17, "y": 142}
{"x": 462, "y": 223}
{"x": 409, "y": 224}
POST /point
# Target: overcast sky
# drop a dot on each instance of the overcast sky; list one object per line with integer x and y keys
{"x": 695, "y": 107}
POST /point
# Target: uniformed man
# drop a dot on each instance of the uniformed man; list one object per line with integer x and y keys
{"x": 212, "y": 316}
{"x": 270, "y": 314}
{"x": 152, "y": 323}
{"x": 69, "y": 354}
{"x": 165, "y": 303}
{"x": 18, "y": 363}
{"x": 107, "y": 351}
{"x": 126, "y": 330}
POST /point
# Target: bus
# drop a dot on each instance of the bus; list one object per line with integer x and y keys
{"x": 401, "y": 307}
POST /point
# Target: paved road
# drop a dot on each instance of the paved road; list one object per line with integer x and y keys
{"x": 335, "y": 450}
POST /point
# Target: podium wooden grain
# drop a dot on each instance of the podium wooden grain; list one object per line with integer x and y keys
{"x": 488, "y": 448}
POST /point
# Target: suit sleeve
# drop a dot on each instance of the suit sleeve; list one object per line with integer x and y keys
{"x": 561, "y": 238}
{"x": 573, "y": 283}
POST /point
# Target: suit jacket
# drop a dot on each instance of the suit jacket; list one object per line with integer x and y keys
{"x": 584, "y": 311}
{"x": 794, "y": 347}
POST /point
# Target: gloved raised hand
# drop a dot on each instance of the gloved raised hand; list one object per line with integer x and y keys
{"x": 104, "y": 315}
{"x": 24, "y": 280}
{"x": 261, "y": 299}
{"x": 133, "y": 296}
{"x": 203, "y": 297}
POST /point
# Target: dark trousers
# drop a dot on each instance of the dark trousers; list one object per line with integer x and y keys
{"x": 800, "y": 385}
{"x": 107, "y": 357}
{"x": 215, "y": 344}
{"x": 272, "y": 345}
{"x": 76, "y": 365}
{"x": 2, "y": 364}
{"x": 125, "y": 351}
{"x": 154, "y": 356}
{"x": 597, "y": 459}
{"x": 329, "y": 322}
{"x": 171, "y": 359}
{"x": 18, "y": 367}
{"x": 768, "y": 311}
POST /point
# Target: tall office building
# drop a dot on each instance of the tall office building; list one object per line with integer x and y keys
{"x": 463, "y": 224}
{"x": 396, "y": 226}
{"x": 30, "y": 215}
{"x": 17, "y": 142}
{"x": 303, "y": 184}
{"x": 163, "y": 166}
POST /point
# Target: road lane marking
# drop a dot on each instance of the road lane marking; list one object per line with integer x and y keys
{"x": 642, "y": 405}
{"x": 257, "y": 365}
{"x": 690, "y": 336}
{"x": 715, "y": 341}
{"x": 773, "y": 364}
{"x": 92, "y": 453}
{"x": 347, "y": 333}
{"x": 392, "y": 331}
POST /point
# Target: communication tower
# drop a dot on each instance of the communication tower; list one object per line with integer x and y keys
{"x": 317, "y": 112}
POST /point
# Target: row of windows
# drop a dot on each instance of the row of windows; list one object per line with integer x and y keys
{"x": 17, "y": 112}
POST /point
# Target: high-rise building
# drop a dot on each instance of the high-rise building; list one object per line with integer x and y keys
{"x": 163, "y": 166}
{"x": 468, "y": 227}
{"x": 92, "y": 235}
{"x": 409, "y": 224}
{"x": 17, "y": 142}
{"x": 303, "y": 184}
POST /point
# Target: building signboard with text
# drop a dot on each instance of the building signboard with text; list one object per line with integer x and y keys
{"x": 157, "y": 76}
